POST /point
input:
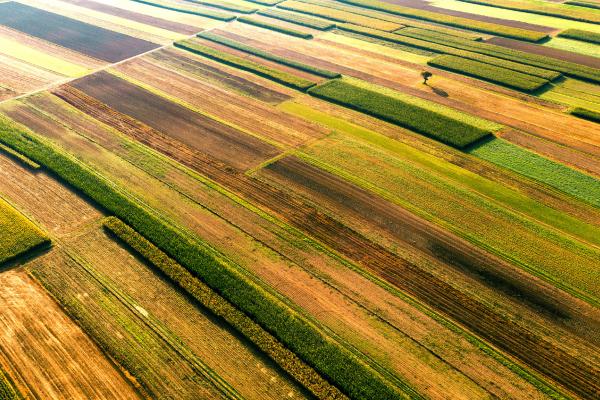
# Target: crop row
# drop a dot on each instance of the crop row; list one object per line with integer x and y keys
{"x": 459, "y": 22}
{"x": 339, "y": 15}
{"x": 19, "y": 157}
{"x": 419, "y": 38}
{"x": 189, "y": 10}
{"x": 332, "y": 360}
{"x": 402, "y": 110}
{"x": 578, "y": 34}
{"x": 225, "y": 6}
{"x": 7, "y": 390}
{"x": 211, "y": 300}
{"x": 266, "y": 2}
{"x": 587, "y": 4}
{"x": 268, "y": 56}
{"x": 276, "y": 28}
{"x": 298, "y": 19}
{"x": 552, "y": 10}
{"x": 247, "y": 65}
{"x": 586, "y": 114}
{"x": 492, "y": 73}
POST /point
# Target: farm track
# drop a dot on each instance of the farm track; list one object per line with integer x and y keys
{"x": 548, "y": 358}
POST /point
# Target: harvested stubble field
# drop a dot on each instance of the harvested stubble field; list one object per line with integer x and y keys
{"x": 292, "y": 212}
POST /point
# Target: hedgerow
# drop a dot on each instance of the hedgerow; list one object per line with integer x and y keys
{"x": 309, "y": 22}
{"x": 247, "y": 65}
{"x": 587, "y": 4}
{"x": 586, "y": 114}
{"x": 216, "y": 304}
{"x": 189, "y": 10}
{"x": 19, "y": 157}
{"x": 502, "y": 76}
{"x": 277, "y": 28}
{"x": 402, "y": 110}
{"x": 332, "y": 360}
{"x": 268, "y": 56}
{"x": 578, "y": 34}
{"x": 225, "y": 6}
{"x": 459, "y": 22}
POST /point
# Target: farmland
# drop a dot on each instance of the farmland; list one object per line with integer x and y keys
{"x": 303, "y": 199}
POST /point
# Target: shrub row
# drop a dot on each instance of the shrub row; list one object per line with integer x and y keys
{"x": 552, "y": 10}
{"x": 268, "y": 56}
{"x": 276, "y": 28}
{"x": 220, "y": 307}
{"x": 586, "y": 114}
{"x": 314, "y": 23}
{"x": 339, "y": 16}
{"x": 459, "y": 22}
{"x": 583, "y": 4}
{"x": 247, "y": 65}
{"x": 403, "y": 110}
{"x": 189, "y": 10}
{"x": 19, "y": 157}
{"x": 226, "y": 6}
{"x": 332, "y": 360}
{"x": 491, "y": 73}
{"x": 578, "y": 34}
{"x": 414, "y": 37}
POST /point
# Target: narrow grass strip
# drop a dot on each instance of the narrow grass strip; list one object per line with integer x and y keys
{"x": 220, "y": 307}
{"x": 403, "y": 110}
{"x": 310, "y": 22}
{"x": 276, "y": 28}
{"x": 247, "y": 65}
{"x": 338, "y": 365}
{"x": 491, "y": 73}
{"x": 578, "y": 34}
{"x": 586, "y": 114}
{"x": 587, "y": 4}
{"x": 225, "y": 6}
{"x": 19, "y": 157}
{"x": 189, "y": 10}
{"x": 567, "y": 180}
{"x": 267, "y": 56}
{"x": 459, "y": 22}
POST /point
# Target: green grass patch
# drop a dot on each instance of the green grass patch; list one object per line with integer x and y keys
{"x": 310, "y": 22}
{"x": 226, "y": 6}
{"x": 438, "y": 122}
{"x": 552, "y": 10}
{"x": 459, "y": 22}
{"x": 189, "y": 10}
{"x": 247, "y": 65}
{"x": 268, "y": 56}
{"x": 578, "y": 34}
{"x": 18, "y": 235}
{"x": 276, "y": 28}
{"x": 587, "y": 4}
{"x": 586, "y": 114}
{"x": 577, "y": 184}
{"x": 333, "y": 361}
{"x": 491, "y": 73}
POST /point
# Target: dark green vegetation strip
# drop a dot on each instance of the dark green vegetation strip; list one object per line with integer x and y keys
{"x": 578, "y": 34}
{"x": 586, "y": 114}
{"x": 553, "y": 10}
{"x": 266, "y": 2}
{"x": 309, "y": 22}
{"x": 583, "y": 4}
{"x": 189, "y": 10}
{"x": 247, "y": 65}
{"x": 459, "y": 22}
{"x": 19, "y": 157}
{"x": 426, "y": 121}
{"x": 7, "y": 389}
{"x": 334, "y": 362}
{"x": 211, "y": 300}
{"x": 502, "y": 76}
{"x": 277, "y": 28}
{"x": 527, "y": 163}
{"x": 225, "y": 6}
{"x": 268, "y": 56}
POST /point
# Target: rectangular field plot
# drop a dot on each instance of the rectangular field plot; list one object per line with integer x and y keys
{"x": 17, "y": 234}
{"x": 90, "y": 40}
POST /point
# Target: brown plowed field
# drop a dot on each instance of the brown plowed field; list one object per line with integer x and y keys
{"x": 549, "y": 358}
{"x": 251, "y": 115}
{"x": 221, "y": 141}
{"x": 47, "y": 352}
{"x": 22, "y": 77}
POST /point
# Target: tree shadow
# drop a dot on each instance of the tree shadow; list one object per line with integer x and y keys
{"x": 439, "y": 92}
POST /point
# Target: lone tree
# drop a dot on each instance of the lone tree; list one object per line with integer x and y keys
{"x": 426, "y": 75}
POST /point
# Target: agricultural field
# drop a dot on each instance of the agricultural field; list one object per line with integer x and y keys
{"x": 300, "y": 199}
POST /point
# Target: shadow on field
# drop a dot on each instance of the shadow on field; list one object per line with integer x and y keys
{"x": 24, "y": 258}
